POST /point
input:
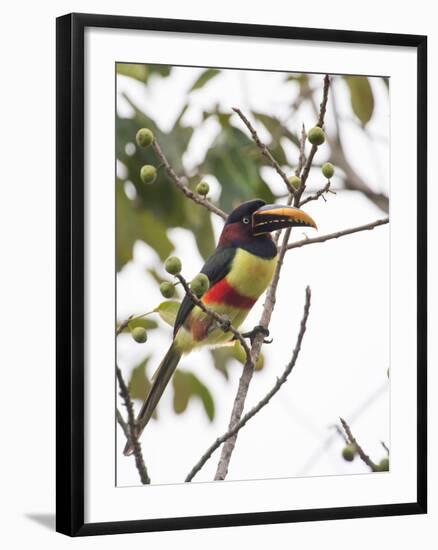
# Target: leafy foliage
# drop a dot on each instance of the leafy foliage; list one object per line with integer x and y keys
{"x": 361, "y": 96}
{"x": 204, "y": 77}
{"x": 168, "y": 311}
{"x": 187, "y": 386}
{"x": 142, "y": 72}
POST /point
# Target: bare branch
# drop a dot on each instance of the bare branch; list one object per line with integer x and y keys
{"x": 263, "y": 402}
{"x": 184, "y": 187}
{"x": 302, "y": 155}
{"x": 363, "y": 456}
{"x": 352, "y": 181}
{"x": 337, "y": 234}
{"x": 223, "y": 322}
{"x": 264, "y": 150}
{"x": 248, "y": 369}
{"x": 316, "y": 195}
{"x": 268, "y": 308}
{"x": 139, "y": 461}
{"x": 122, "y": 424}
{"x": 309, "y": 160}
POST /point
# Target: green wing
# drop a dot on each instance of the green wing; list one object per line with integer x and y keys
{"x": 216, "y": 268}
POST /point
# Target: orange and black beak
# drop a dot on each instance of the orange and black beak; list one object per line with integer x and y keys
{"x": 276, "y": 216}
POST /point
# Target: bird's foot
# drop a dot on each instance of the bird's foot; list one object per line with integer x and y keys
{"x": 258, "y": 329}
{"x": 225, "y": 325}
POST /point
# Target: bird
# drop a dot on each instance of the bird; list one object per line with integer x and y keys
{"x": 239, "y": 271}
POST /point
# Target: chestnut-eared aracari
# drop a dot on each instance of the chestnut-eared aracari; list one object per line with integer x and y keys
{"x": 239, "y": 270}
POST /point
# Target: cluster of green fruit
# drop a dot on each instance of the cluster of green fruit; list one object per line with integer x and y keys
{"x": 145, "y": 138}
{"x": 349, "y": 453}
{"x": 199, "y": 285}
{"x": 316, "y": 136}
{"x": 148, "y": 173}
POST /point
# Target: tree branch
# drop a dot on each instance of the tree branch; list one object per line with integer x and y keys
{"x": 309, "y": 160}
{"x": 263, "y": 402}
{"x": 337, "y": 234}
{"x": 318, "y": 194}
{"x": 363, "y": 456}
{"x": 198, "y": 199}
{"x": 139, "y": 461}
{"x": 352, "y": 181}
{"x": 122, "y": 424}
{"x": 268, "y": 308}
{"x": 264, "y": 150}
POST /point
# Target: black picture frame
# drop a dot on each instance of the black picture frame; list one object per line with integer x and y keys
{"x": 70, "y": 272}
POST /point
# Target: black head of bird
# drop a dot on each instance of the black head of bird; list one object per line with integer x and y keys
{"x": 250, "y": 224}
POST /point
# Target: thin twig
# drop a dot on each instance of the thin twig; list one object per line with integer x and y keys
{"x": 302, "y": 154}
{"x": 385, "y": 446}
{"x": 337, "y": 234}
{"x": 316, "y": 195}
{"x": 264, "y": 150}
{"x": 195, "y": 197}
{"x": 363, "y": 456}
{"x": 139, "y": 461}
{"x": 223, "y": 322}
{"x": 263, "y": 402}
{"x": 122, "y": 424}
{"x": 309, "y": 160}
{"x": 352, "y": 180}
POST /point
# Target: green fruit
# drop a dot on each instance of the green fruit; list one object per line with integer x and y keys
{"x": 348, "y": 453}
{"x": 328, "y": 170}
{"x": 384, "y": 465}
{"x": 316, "y": 136}
{"x": 167, "y": 289}
{"x": 139, "y": 334}
{"x": 239, "y": 352}
{"x": 203, "y": 188}
{"x": 200, "y": 284}
{"x": 173, "y": 265}
{"x": 260, "y": 362}
{"x": 295, "y": 181}
{"x": 144, "y": 137}
{"x": 148, "y": 173}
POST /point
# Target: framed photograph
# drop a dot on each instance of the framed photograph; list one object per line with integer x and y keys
{"x": 241, "y": 274}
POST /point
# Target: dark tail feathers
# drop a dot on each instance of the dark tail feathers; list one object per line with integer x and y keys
{"x": 161, "y": 379}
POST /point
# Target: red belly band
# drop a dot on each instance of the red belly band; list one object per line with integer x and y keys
{"x": 223, "y": 293}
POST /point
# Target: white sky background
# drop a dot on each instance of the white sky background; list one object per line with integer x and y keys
{"x": 345, "y": 353}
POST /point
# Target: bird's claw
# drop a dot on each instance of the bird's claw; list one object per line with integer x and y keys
{"x": 258, "y": 329}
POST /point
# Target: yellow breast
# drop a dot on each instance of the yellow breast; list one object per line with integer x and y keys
{"x": 250, "y": 275}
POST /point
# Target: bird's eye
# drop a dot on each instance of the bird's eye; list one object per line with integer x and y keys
{"x": 245, "y": 219}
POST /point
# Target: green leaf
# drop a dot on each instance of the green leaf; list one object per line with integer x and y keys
{"x": 199, "y": 222}
{"x": 221, "y": 358}
{"x": 168, "y": 311}
{"x": 235, "y": 161}
{"x": 361, "y": 97}
{"x": 203, "y": 78}
{"x": 147, "y": 324}
{"x": 139, "y": 385}
{"x": 186, "y": 386}
{"x": 223, "y": 355}
{"x": 142, "y": 72}
{"x": 135, "y": 223}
